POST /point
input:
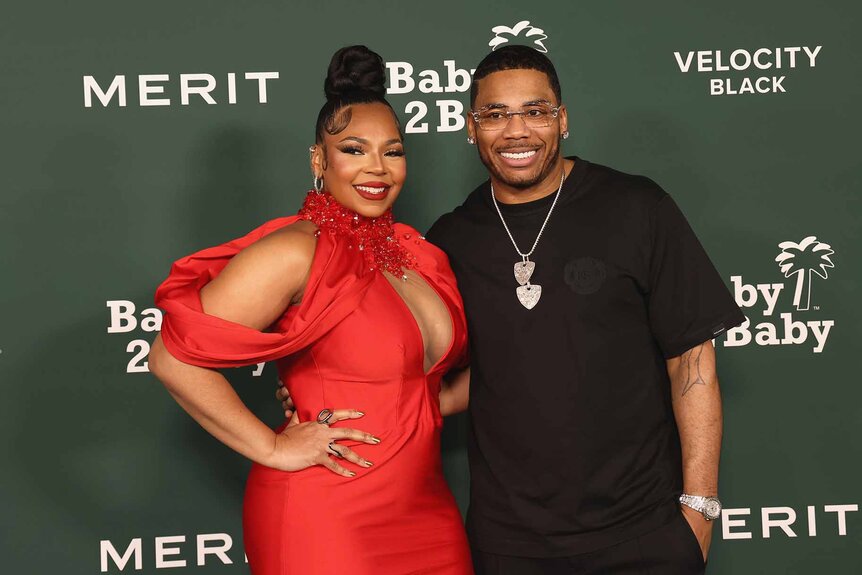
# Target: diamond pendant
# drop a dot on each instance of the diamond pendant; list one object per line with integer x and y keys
{"x": 524, "y": 271}
{"x": 529, "y": 295}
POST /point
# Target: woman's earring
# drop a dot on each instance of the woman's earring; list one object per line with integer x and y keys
{"x": 566, "y": 135}
{"x": 318, "y": 184}
{"x": 470, "y": 140}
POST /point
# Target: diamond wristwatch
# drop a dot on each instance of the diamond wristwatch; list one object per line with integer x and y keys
{"x": 709, "y": 507}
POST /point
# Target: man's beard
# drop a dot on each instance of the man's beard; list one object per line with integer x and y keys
{"x": 523, "y": 183}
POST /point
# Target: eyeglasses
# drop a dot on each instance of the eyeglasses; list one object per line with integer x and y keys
{"x": 535, "y": 116}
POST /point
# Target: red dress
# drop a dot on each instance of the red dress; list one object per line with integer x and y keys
{"x": 352, "y": 342}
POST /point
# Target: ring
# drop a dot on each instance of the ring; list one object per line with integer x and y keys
{"x": 324, "y": 416}
{"x": 331, "y": 449}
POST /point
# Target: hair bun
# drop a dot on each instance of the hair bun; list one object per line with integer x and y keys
{"x": 355, "y": 69}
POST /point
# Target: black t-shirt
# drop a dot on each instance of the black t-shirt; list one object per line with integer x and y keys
{"x": 573, "y": 445}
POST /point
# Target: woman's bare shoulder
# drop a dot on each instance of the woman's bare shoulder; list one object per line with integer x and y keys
{"x": 294, "y": 243}
{"x": 288, "y": 250}
{"x": 262, "y": 280}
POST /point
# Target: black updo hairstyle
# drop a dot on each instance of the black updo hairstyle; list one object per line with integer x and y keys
{"x": 356, "y": 75}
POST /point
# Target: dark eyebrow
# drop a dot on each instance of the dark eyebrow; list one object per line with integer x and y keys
{"x": 366, "y": 142}
{"x": 499, "y": 106}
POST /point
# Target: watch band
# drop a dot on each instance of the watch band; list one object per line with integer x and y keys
{"x": 708, "y": 506}
{"x": 696, "y": 502}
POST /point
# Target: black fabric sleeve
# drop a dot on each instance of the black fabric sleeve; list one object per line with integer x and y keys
{"x": 437, "y": 234}
{"x": 688, "y": 301}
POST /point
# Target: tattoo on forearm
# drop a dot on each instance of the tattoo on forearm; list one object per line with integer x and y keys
{"x": 692, "y": 372}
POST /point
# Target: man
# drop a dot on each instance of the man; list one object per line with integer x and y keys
{"x": 591, "y": 305}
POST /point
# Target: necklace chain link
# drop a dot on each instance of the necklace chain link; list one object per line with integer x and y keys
{"x": 525, "y": 256}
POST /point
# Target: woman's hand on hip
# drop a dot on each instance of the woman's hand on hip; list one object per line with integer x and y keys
{"x": 303, "y": 445}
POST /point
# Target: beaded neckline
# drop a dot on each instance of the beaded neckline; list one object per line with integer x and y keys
{"x": 373, "y": 237}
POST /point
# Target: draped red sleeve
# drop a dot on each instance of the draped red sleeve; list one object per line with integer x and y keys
{"x": 336, "y": 284}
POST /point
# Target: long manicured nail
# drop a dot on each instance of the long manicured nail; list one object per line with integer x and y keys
{"x": 375, "y": 439}
{"x": 352, "y": 473}
{"x": 367, "y": 463}
{"x": 360, "y": 413}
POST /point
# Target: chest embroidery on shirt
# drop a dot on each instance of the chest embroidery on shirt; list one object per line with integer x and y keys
{"x": 585, "y": 275}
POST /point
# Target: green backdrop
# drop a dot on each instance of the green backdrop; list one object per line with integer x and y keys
{"x": 102, "y": 472}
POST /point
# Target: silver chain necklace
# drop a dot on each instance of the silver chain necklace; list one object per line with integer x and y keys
{"x": 528, "y": 294}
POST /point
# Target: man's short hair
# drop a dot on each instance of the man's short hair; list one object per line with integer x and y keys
{"x": 515, "y": 58}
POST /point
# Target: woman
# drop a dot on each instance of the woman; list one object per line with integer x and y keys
{"x": 363, "y": 318}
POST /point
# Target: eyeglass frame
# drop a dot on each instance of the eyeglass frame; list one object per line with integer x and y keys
{"x": 555, "y": 114}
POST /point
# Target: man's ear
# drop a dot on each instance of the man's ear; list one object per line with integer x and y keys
{"x": 471, "y": 127}
{"x": 563, "y": 115}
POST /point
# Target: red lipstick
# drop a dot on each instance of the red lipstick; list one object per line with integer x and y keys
{"x": 375, "y": 191}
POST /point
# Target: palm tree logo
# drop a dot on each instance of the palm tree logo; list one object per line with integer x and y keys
{"x": 804, "y": 259}
{"x": 501, "y": 32}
